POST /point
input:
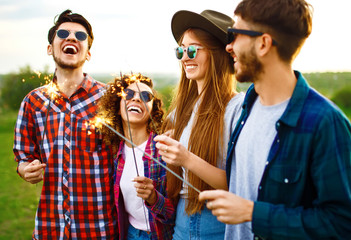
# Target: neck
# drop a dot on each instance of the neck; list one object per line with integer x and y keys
{"x": 68, "y": 80}
{"x": 139, "y": 134}
{"x": 276, "y": 84}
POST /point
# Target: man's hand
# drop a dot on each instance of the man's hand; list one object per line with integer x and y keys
{"x": 32, "y": 171}
{"x": 228, "y": 207}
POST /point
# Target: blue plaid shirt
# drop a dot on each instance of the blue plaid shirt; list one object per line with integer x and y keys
{"x": 305, "y": 190}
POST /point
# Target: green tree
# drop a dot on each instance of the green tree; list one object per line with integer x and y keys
{"x": 15, "y": 86}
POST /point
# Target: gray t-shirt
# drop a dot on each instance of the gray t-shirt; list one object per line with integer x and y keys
{"x": 231, "y": 116}
{"x": 250, "y": 156}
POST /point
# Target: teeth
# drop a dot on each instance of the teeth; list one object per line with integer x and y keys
{"x": 190, "y": 67}
{"x": 70, "y": 49}
{"x": 135, "y": 109}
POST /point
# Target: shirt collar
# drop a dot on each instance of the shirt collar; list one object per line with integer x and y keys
{"x": 293, "y": 111}
{"x": 86, "y": 84}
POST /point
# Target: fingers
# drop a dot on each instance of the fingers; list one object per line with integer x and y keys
{"x": 33, "y": 172}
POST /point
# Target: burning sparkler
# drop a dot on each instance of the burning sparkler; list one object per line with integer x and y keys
{"x": 99, "y": 121}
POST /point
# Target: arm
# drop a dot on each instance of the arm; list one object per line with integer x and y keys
{"x": 174, "y": 153}
{"x": 25, "y": 146}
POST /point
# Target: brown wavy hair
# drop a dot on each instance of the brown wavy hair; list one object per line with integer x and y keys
{"x": 206, "y": 137}
{"x": 109, "y": 106}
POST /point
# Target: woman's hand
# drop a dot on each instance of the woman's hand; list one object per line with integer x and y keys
{"x": 172, "y": 151}
{"x": 145, "y": 189}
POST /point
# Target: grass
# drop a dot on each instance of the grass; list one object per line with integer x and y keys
{"x": 18, "y": 199}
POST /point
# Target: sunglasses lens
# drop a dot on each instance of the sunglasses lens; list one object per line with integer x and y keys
{"x": 191, "y": 51}
{"x": 129, "y": 93}
{"x": 62, "y": 33}
{"x": 81, "y": 36}
{"x": 146, "y": 96}
{"x": 179, "y": 52}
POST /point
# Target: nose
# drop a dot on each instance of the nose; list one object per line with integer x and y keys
{"x": 72, "y": 36}
{"x": 229, "y": 47}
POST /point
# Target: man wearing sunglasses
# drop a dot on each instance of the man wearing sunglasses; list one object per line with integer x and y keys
{"x": 56, "y": 142}
{"x": 289, "y": 157}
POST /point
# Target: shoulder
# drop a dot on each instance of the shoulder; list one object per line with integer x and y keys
{"x": 235, "y": 103}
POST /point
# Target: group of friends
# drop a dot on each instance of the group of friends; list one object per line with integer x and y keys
{"x": 271, "y": 163}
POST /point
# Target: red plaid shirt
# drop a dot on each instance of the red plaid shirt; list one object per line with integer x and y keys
{"x": 77, "y": 200}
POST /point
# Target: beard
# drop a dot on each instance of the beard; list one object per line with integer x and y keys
{"x": 251, "y": 67}
{"x": 64, "y": 65}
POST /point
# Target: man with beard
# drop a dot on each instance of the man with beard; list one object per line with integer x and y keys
{"x": 289, "y": 157}
{"x": 56, "y": 142}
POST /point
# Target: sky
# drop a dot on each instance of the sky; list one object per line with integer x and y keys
{"x": 135, "y": 35}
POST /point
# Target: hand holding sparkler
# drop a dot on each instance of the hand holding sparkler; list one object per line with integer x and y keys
{"x": 145, "y": 189}
{"x": 99, "y": 122}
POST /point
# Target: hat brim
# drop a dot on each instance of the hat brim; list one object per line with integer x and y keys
{"x": 183, "y": 20}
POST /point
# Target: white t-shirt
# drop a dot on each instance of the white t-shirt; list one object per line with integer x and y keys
{"x": 134, "y": 205}
{"x": 250, "y": 157}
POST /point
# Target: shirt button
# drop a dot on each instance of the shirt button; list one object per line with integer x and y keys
{"x": 257, "y": 238}
{"x": 267, "y": 163}
{"x": 278, "y": 124}
{"x": 242, "y": 122}
{"x": 260, "y": 187}
{"x": 278, "y": 141}
{"x": 286, "y": 180}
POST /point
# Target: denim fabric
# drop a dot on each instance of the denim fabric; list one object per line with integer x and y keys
{"x": 197, "y": 226}
{"x": 136, "y": 234}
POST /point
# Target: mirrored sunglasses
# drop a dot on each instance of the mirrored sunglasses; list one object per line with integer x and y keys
{"x": 63, "y": 34}
{"x": 191, "y": 51}
{"x": 144, "y": 95}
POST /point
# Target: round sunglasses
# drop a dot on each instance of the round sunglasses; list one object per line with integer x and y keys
{"x": 63, "y": 34}
{"x": 191, "y": 51}
{"x": 144, "y": 95}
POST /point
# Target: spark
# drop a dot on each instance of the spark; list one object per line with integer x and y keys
{"x": 99, "y": 121}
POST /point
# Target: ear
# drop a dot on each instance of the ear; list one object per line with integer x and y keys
{"x": 49, "y": 49}
{"x": 88, "y": 56}
{"x": 265, "y": 43}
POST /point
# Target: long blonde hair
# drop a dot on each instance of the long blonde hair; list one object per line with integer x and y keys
{"x": 206, "y": 137}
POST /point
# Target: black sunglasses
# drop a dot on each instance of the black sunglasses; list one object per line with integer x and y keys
{"x": 233, "y": 32}
{"x": 191, "y": 51}
{"x": 144, "y": 95}
{"x": 63, "y": 34}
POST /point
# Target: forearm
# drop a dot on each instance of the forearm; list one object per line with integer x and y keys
{"x": 210, "y": 174}
{"x": 163, "y": 209}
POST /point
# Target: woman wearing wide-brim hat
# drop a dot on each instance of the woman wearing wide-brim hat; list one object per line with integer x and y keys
{"x": 202, "y": 115}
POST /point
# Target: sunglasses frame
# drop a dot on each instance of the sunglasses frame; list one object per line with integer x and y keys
{"x": 231, "y": 34}
{"x": 69, "y": 33}
{"x": 145, "y": 99}
{"x": 186, "y": 49}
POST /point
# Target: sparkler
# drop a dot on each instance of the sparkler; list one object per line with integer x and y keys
{"x": 100, "y": 121}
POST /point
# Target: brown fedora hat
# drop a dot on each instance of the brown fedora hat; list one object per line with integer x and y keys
{"x": 213, "y": 22}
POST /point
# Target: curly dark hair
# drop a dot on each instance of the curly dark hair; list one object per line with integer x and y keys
{"x": 109, "y": 106}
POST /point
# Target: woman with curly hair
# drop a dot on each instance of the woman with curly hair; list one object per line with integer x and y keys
{"x": 133, "y": 109}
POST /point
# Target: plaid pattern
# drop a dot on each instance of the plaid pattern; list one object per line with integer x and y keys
{"x": 305, "y": 191}
{"x": 162, "y": 213}
{"x": 76, "y": 201}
